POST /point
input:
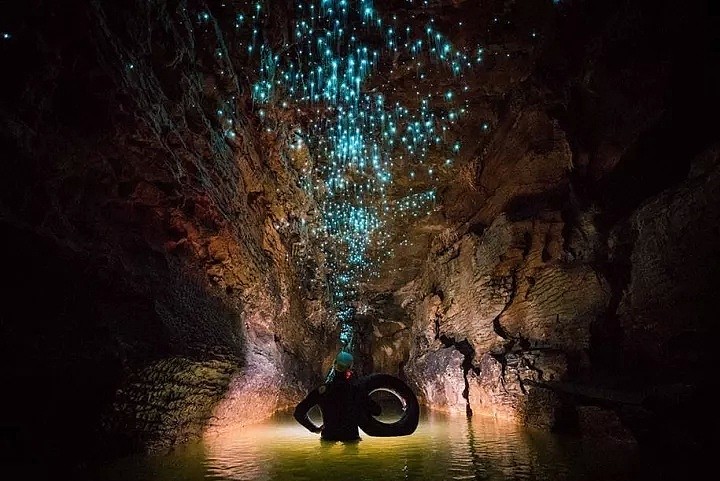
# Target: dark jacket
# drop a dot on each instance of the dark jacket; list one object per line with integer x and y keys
{"x": 342, "y": 402}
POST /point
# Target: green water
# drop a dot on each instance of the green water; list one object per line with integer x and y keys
{"x": 442, "y": 448}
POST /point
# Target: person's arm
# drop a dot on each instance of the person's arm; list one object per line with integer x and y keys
{"x": 302, "y": 409}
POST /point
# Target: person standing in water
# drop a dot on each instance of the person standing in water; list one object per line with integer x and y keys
{"x": 342, "y": 402}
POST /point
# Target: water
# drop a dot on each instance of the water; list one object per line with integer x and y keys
{"x": 443, "y": 448}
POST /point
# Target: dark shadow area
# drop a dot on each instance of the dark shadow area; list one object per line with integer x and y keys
{"x": 62, "y": 356}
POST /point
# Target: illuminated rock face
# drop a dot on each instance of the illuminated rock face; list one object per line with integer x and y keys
{"x": 541, "y": 330}
{"x": 203, "y": 319}
{"x": 501, "y": 290}
{"x": 504, "y": 285}
{"x": 441, "y": 382}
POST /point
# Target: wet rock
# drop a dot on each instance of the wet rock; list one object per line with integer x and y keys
{"x": 491, "y": 392}
{"x": 439, "y": 379}
{"x": 558, "y": 306}
{"x": 506, "y": 387}
{"x": 176, "y": 395}
{"x": 509, "y": 291}
{"x": 218, "y": 249}
{"x": 542, "y": 409}
{"x": 251, "y": 396}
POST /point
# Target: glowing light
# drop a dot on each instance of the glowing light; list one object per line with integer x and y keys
{"x": 358, "y": 140}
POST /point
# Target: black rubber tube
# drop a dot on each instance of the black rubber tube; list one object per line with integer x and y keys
{"x": 411, "y": 412}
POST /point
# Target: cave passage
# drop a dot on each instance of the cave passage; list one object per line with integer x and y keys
{"x": 512, "y": 206}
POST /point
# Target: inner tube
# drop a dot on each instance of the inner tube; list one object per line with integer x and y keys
{"x": 411, "y": 409}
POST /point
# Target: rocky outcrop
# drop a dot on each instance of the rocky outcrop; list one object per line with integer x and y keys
{"x": 508, "y": 320}
{"x": 384, "y": 334}
{"x": 509, "y": 292}
{"x": 169, "y": 402}
{"x": 391, "y": 346}
{"x": 439, "y": 377}
{"x": 509, "y": 387}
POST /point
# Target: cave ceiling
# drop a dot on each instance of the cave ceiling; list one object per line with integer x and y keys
{"x": 391, "y": 106}
{"x": 390, "y": 117}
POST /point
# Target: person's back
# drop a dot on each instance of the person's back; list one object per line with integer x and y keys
{"x": 339, "y": 406}
{"x": 341, "y": 401}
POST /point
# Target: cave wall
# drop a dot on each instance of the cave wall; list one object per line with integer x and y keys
{"x": 571, "y": 287}
{"x": 669, "y": 245}
{"x": 154, "y": 292}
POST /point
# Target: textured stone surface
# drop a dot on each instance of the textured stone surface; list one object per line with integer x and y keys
{"x": 528, "y": 156}
{"x": 491, "y": 392}
{"x": 508, "y": 387}
{"x": 391, "y": 348}
{"x": 440, "y": 379}
{"x": 668, "y": 305}
{"x": 252, "y": 395}
{"x": 470, "y": 290}
{"x": 511, "y": 285}
{"x": 557, "y": 306}
{"x": 169, "y": 402}
{"x": 185, "y": 241}
{"x": 533, "y": 337}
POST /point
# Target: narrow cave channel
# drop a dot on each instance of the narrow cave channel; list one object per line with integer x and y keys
{"x": 510, "y": 208}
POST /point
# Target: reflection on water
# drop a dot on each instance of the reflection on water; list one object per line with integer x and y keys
{"x": 442, "y": 448}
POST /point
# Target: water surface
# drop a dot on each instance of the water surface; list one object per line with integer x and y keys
{"x": 442, "y": 448}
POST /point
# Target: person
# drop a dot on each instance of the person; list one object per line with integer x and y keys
{"x": 343, "y": 403}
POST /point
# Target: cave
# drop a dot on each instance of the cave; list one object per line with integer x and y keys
{"x": 512, "y": 206}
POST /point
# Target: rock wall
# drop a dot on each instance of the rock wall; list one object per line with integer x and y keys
{"x": 499, "y": 331}
{"x": 383, "y": 337}
{"x": 572, "y": 283}
{"x": 503, "y": 292}
{"x": 670, "y": 245}
{"x": 158, "y": 293}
